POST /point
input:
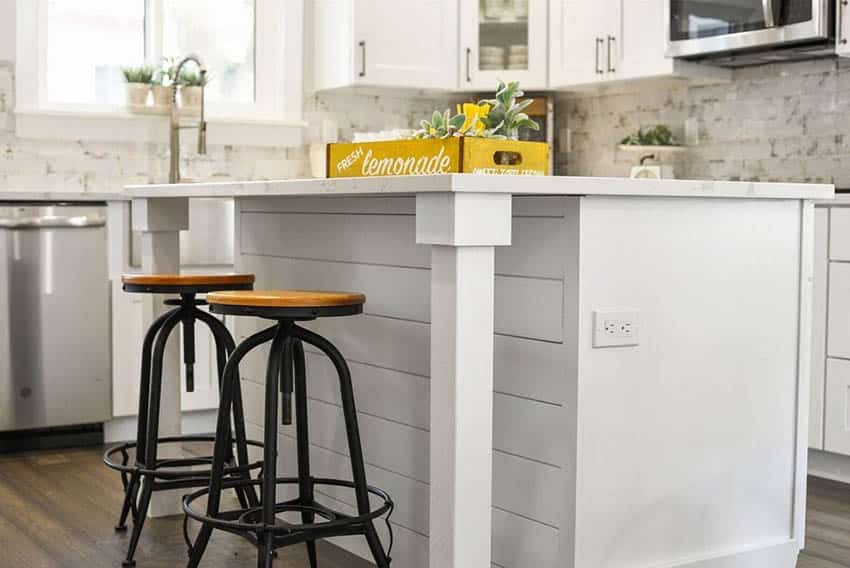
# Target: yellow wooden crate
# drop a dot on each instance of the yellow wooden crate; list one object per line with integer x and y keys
{"x": 424, "y": 157}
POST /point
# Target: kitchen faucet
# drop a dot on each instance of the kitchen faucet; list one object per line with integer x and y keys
{"x": 174, "y": 134}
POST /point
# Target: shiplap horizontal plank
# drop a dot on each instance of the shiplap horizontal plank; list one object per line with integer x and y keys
{"x": 522, "y": 367}
{"x": 369, "y": 239}
{"x": 410, "y": 496}
{"x": 393, "y": 395}
{"x": 390, "y": 291}
{"x": 390, "y": 240}
{"x": 521, "y": 543}
{"x": 527, "y": 488}
{"x": 337, "y": 204}
{"x": 515, "y": 538}
{"x": 524, "y": 206}
{"x": 527, "y": 428}
{"x": 518, "y": 422}
{"x": 525, "y": 307}
{"x": 391, "y": 446}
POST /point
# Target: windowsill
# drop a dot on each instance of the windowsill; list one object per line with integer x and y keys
{"x": 119, "y": 125}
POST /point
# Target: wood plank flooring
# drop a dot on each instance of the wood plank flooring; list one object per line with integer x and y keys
{"x": 57, "y": 509}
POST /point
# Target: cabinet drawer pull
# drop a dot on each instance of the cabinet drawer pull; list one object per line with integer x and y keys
{"x": 611, "y": 40}
{"x": 363, "y": 58}
{"x": 599, "y": 42}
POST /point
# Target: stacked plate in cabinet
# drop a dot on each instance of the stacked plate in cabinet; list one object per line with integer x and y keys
{"x": 518, "y": 56}
{"x": 491, "y": 58}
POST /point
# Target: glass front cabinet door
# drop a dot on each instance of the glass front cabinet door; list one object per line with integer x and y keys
{"x": 503, "y": 39}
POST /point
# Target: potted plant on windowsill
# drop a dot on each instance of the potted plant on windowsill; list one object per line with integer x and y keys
{"x": 139, "y": 80}
{"x": 192, "y": 86}
{"x": 163, "y": 79}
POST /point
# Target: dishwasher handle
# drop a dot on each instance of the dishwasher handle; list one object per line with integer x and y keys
{"x": 52, "y": 222}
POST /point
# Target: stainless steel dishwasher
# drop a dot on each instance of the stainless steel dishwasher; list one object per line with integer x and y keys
{"x": 54, "y": 316}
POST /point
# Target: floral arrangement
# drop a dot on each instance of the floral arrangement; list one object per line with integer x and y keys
{"x": 500, "y": 117}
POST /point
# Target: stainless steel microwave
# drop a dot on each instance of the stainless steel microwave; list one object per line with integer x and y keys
{"x": 729, "y": 28}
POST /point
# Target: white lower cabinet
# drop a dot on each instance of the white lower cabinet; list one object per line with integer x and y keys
{"x": 128, "y": 331}
{"x": 838, "y": 326}
{"x": 819, "y": 315}
{"x": 837, "y": 408}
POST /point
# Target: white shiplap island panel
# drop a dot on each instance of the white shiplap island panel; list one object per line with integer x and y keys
{"x": 685, "y": 450}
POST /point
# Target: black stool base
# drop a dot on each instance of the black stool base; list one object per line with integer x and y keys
{"x": 258, "y": 523}
{"x": 249, "y": 524}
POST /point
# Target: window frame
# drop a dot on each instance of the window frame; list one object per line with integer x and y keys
{"x": 278, "y": 63}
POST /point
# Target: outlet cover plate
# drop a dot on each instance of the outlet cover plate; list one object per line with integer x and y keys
{"x": 616, "y": 327}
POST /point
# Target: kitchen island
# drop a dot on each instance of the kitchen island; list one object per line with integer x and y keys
{"x": 550, "y": 372}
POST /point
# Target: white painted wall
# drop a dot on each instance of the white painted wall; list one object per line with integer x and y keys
{"x": 7, "y": 30}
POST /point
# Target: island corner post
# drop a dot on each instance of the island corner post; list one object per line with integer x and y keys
{"x": 463, "y": 230}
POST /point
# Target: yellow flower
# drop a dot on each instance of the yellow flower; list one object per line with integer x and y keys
{"x": 474, "y": 114}
{"x": 433, "y": 131}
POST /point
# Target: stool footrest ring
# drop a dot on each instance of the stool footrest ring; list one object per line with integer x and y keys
{"x": 246, "y": 522}
{"x": 170, "y": 469}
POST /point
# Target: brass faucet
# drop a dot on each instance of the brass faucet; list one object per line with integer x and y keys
{"x": 174, "y": 134}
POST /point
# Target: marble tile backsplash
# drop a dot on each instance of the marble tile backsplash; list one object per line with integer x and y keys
{"x": 781, "y": 122}
{"x": 97, "y": 166}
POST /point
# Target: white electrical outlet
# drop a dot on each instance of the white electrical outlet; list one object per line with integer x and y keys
{"x": 616, "y": 327}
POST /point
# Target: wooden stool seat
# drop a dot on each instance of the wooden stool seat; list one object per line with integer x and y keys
{"x": 186, "y": 283}
{"x": 296, "y": 304}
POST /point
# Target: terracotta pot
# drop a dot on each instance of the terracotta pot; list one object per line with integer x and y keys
{"x": 137, "y": 96}
{"x": 190, "y": 99}
{"x": 162, "y": 98}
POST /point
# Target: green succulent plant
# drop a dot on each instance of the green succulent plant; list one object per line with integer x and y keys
{"x": 440, "y": 126}
{"x": 501, "y": 117}
{"x": 143, "y": 74}
{"x": 506, "y": 115}
{"x": 658, "y": 135}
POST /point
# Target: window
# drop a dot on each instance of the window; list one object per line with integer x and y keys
{"x": 88, "y": 72}
{"x": 73, "y": 63}
{"x": 224, "y": 38}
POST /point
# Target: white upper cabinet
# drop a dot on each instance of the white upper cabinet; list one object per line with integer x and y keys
{"x": 384, "y": 43}
{"x": 503, "y": 40}
{"x": 580, "y": 36}
{"x": 613, "y": 40}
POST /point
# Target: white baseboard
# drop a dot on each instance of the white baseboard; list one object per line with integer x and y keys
{"x": 829, "y": 466}
{"x": 123, "y": 429}
{"x": 775, "y": 555}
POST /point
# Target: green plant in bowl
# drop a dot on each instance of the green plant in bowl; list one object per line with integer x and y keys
{"x": 658, "y": 135}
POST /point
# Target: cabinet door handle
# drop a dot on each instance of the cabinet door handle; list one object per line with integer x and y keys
{"x": 599, "y": 42}
{"x": 611, "y": 40}
{"x": 842, "y": 6}
{"x": 363, "y": 58}
{"x": 468, "y": 64}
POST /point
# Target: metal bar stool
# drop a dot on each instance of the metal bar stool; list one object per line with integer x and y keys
{"x": 286, "y": 372}
{"x": 147, "y": 473}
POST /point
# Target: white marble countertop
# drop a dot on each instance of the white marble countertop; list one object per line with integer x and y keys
{"x": 36, "y": 195}
{"x": 840, "y": 200}
{"x": 476, "y": 183}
